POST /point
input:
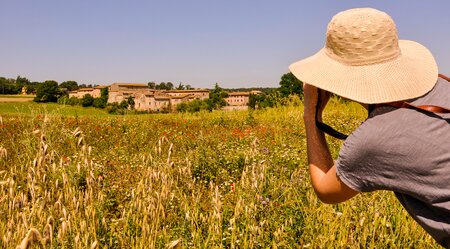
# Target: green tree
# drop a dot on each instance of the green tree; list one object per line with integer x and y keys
{"x": 47, "y": 92}
{"x": 217, "y": 98}
{"x": 31, "y": 88}
{"x": 289, "y": 85}
{"x": 151, "y": 85}
{"x": 161, "y": 86}
{"x": 69, "y": 85}
{"x": 123, "y": 104}
{"x": 22, "y": 81}
{"x": 104, "y": 93}
{"x": 130, "y": 102}
{"x": 180, "y": 87}
{"x": 8, "y": 86}
{"x": 86, "y": 86}
{"x": 87, "y": 100}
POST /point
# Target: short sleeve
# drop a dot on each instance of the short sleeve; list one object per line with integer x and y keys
{"x": 364, "y": 162}
{"x": 352, "y": 166}
{"x": 393, "y": 150}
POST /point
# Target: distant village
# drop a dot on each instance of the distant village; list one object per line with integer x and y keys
{"x": 147, "y": 99}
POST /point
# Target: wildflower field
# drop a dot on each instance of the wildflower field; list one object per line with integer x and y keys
{"x": 81, "y": 179}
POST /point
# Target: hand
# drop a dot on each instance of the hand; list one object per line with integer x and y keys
{"x": 310, "y": 101}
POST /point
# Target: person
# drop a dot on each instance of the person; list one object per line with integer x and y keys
{"x": 404, "y": 150}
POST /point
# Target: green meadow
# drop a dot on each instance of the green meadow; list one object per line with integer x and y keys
{"x": 73, "y": 177}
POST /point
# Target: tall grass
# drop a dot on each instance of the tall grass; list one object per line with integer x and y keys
{"x": 205, "y": 180}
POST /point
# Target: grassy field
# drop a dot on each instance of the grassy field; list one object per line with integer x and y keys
{"x": 51, "y": 109}
{"x": 80, "y": 178}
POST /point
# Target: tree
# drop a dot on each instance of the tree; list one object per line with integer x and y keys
{"x": 8, "y": 86}
{"x": 69, "y": 85}
{"x": 123, "y": 104}
{"x": 169, "y": 86}
{"x": 32, "y": 87}
{"x": 87, "y": 100}
{"x": 86, "y": 86}
{"x": 289, "y": 84}
{"x": 180, "y": 86}
{"x": 266, "y": 99}
{"x": 22, "y": 81}
{"x": 47, "y": 92}
{"x": 151, "y": 85}
{"x": 161, "y": 86}
{"x": 130, "y": 102}
{"x": 104, "y": 93}
{"x": 217, "y": 98}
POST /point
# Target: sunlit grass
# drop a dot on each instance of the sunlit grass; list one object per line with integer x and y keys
{"x": 32, "y": 108}
{"x": 81, "y": 178}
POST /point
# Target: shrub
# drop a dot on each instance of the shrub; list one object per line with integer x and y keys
{"x": 193, "y": 106}
{"x": 87, "y": 100}
{"x": 74, "y": 101}
{"x": 99, "y": 102}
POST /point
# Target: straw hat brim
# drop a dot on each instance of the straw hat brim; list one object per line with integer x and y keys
{"x": 411, "y": 75}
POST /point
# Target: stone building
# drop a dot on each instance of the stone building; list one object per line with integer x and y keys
{"x": 145, "y": 99}
{"x": 97, "y": 91}
{"x": 81, "y": 92}
{"x": 117, "y": 92}
{"x": 238, "y": 98}
{"x": 195, "y": 93}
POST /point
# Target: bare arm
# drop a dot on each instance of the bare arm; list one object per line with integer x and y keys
{"x": 327, "y": 185}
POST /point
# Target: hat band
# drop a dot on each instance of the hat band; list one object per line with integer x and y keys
{"x": 386, "y": 57}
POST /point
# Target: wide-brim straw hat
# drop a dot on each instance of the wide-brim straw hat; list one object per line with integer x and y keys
{"x": 364, "y": 61}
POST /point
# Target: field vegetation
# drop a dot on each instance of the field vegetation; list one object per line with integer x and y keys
{"x": 73, "y": 177}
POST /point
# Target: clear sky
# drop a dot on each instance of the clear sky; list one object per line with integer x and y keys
{"x": 236, "y": 43}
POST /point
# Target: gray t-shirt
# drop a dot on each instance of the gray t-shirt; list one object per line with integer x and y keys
{"x": 408, "y": 152}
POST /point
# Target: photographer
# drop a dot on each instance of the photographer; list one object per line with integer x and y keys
{"x": 404, "y": 144}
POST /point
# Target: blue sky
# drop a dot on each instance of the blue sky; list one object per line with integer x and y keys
{"x": 236, "y": 43}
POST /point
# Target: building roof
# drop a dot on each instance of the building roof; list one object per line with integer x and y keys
{"x": 181, "y": 96}
{"x": 131, "y": 84}
{"x": 186, "y": 91}
{"x": 238, "y": 94}
{"x": 100, "y": 87}
{"x": 85, "y": 89}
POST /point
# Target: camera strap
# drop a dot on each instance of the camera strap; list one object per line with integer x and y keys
{"x": 426, "y": 108}
{"x": 324, "y": 127}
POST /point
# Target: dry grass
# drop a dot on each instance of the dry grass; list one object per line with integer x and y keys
{"x": 209, "y": 180}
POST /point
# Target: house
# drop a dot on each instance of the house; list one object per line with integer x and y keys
{"x": 196, "y": 93}
{"x": 145, "y": 99}
{"x": 238, "y": 98}
{"x": 97, "y": 91}
{"x": 81, "y": 92}
{"x": 117, "y": 92}
{"x": 115, "y": 87}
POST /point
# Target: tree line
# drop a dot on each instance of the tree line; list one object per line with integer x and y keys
{"x": 51, "y": 91}
{"x": 15, "y": 86}
{"x": 290, "y": 90}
